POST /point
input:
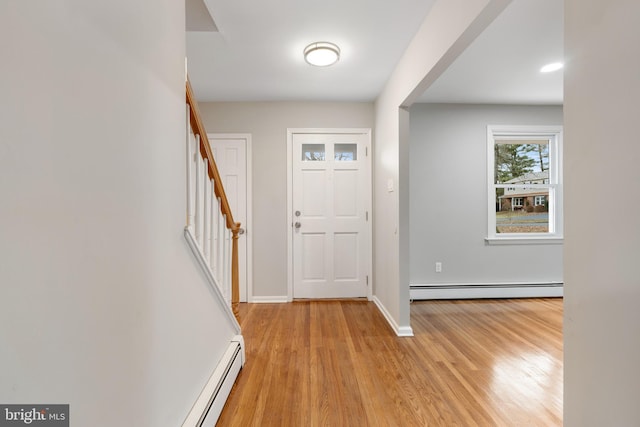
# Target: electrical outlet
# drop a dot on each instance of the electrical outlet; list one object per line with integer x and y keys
{"x": 438, "y": 267}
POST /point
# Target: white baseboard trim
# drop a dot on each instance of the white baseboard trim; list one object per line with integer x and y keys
{"x": 486, "y": 290}
{"x": 208, "y": 407}
{"x": 268, "y": 300}
{"x": 401, "y": 331}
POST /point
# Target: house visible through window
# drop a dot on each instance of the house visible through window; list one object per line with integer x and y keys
{"x": 524, "y": 182}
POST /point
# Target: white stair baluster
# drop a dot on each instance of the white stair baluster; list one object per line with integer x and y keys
{"x": 227, "y": 264}
{"x": 214, "y": 238}
{"x": 221, "y": 271}
{"x": 219, "y": 245}
{"x": 207, "y": 211}
{"x": 212, "y": 227}
{"x": 214, "y": 244}
{"x": 198, "y": 197}
{"x": 190, "y": 143}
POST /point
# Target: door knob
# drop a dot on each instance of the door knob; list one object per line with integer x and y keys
{"x": 297, "y": 225}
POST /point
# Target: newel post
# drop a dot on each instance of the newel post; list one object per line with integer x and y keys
{"x": 235, "y": 271}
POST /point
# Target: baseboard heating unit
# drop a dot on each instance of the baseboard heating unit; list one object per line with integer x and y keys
{"x": 206, "y": 411}
{"x": 486, "y": 290}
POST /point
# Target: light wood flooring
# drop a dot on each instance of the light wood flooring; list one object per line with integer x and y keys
{"x": 338, "y": 363}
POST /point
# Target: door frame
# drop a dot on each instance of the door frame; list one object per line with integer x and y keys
{"x": 368, "y": 197}
{"x": 246, "y": 295}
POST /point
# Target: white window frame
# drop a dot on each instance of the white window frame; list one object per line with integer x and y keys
{"x": 553, "y": 134}
{"x": 540, "y": 199}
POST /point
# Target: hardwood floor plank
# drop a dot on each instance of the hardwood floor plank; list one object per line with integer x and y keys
{"x": 338, "y": 363}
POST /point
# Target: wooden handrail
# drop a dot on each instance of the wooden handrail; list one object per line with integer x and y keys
{"x": 207, "y": 154}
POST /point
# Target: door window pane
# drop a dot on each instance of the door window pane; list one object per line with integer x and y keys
{"x": 346, "y": 152}
{"x": 313, "y": 152}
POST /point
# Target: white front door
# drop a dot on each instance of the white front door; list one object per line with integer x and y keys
{"x": 230, "y": 154}
{"x": 330, "y": 198}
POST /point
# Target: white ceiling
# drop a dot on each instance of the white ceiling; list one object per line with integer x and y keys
{"x": 256, "y": 54}
{"x": 502, "y": 66}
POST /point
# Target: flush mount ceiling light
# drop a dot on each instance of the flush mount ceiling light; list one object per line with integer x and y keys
{"x": 322, "y": 54}
{"x": 551, "y": 67}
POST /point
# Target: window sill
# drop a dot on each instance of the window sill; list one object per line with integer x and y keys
{"x": 537, "y": 240}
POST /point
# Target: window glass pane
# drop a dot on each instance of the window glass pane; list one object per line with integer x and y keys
{"x": 521, "y": 162}
{"x": 313, "y": 152}
{"x": 346, "y": 152}
{"x": 522, "y": 210}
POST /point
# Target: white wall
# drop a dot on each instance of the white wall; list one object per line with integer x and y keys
{"x": 268, "y": 122}
{"x": 449, "y": 198}
{"x": 448, "y": 29}
{"x": 101, "y": 303}
{"x": 602, "y": 238}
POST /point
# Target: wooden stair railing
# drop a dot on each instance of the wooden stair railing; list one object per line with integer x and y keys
{"x": 198, "y": 130}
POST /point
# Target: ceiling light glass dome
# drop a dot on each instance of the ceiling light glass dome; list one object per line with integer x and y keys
{"x": 322, "y": 54}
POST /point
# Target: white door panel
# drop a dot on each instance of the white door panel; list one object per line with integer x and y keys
{"x": 314, "y": 202}
{"x": 313, "y": 256}
{"x": 345, "y": 193}
{"x": 330, "y": 185}
{"x": 346, "y": 256}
